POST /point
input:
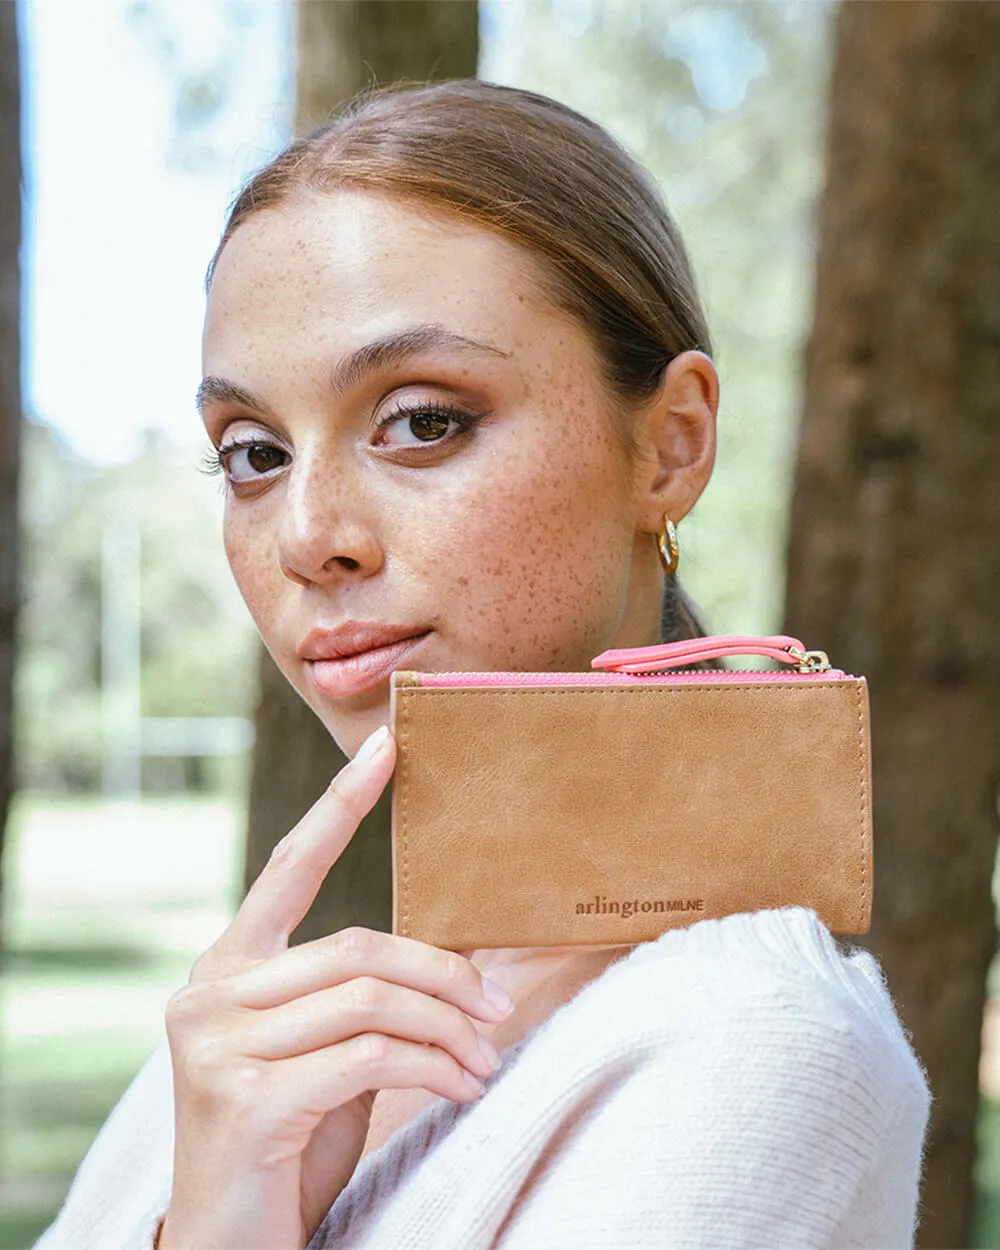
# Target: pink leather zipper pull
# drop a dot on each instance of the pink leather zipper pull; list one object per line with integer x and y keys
{"x": 691, "y": 651}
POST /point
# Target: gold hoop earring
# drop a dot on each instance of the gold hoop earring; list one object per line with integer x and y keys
{"x": 666, "y": 545}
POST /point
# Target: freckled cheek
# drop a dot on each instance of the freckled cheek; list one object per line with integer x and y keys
{"x": 252, "y": 556}
{"x": 533, "y": 569}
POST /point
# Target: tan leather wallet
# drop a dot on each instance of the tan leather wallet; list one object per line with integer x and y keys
{"x": 554, "y": 809}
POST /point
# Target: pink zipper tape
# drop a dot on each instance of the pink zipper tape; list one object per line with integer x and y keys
{"x": 623, "y": 666}
{"x": 704, "y": 677}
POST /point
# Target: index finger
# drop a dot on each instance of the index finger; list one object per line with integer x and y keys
{"x": 291, "y": 878}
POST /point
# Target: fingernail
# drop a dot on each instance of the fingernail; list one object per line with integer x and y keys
{"x": 473, "y": 1082}
{"x": 497, "y": 997}
{"x": 488, "y": 1052}
{"x": 372, "y": 745}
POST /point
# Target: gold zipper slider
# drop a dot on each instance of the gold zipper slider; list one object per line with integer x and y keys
{"x": 810, "y": 661}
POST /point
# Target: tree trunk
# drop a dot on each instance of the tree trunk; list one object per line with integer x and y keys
{"x": 347, "y": 45}
{"x": 10, "y": 386}
{"x": 894, "y": 550}
{"x": 343, "y": 46}
{"x": 293, "y": 761}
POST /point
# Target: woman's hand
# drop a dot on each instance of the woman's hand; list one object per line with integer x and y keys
{"x": 277, "y": 1052}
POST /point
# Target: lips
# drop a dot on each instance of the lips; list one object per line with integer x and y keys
{"x": 357, "y": 655}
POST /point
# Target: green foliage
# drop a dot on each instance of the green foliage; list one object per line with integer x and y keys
{"x": 198, "y": 648}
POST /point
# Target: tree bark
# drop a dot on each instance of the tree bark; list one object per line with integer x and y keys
{"x": 10, "y": 388}
{"x": 894, "y": 549}
{"x": 343, "y": 46}
{"x": 347, "y": 45}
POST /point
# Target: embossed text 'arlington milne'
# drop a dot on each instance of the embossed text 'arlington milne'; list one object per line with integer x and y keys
{"x": 632, "y": 906}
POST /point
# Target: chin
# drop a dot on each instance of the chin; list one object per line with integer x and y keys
{"x": 349, "y": 727}
{"x": 350, "y": 740}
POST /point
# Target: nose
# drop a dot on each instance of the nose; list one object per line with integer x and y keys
{"x": 325, "y": 535}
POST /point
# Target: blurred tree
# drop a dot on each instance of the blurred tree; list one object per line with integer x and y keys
{"x": 343, "y": 46}
{"x": 10, "y": 385}
{"x": 346, "y": 45}
{"x": 894, "y": 555}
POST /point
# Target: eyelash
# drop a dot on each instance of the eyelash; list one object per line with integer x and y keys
{"x": 214, "y": 460}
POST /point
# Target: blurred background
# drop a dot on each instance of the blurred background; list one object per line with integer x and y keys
{"x": 835, "y": 175}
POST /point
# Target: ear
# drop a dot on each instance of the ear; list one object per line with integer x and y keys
{"x": 676, "y": 433}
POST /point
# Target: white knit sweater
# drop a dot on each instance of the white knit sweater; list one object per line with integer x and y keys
{"x": 740, "y": 1083}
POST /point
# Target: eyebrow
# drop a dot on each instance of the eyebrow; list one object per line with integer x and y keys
{"x": 220, "y": 391}
{"x": 394, "y": 348}
{"x": 382, "y": 353}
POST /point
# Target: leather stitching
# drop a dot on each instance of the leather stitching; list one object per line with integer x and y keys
{"x": 863, "y": 791}
{"x": 404, "y": 883}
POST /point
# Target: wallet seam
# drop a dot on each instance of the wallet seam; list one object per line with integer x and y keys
{"x": 863, "y": 813}
{"x": 404, "y": 881}
{"x": 404, "y": 693}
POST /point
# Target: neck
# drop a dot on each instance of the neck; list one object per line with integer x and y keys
{"x": 540, "y": 979}
{"x": 640, "y": 622}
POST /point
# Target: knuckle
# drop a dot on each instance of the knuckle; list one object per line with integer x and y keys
{"x": 221, "y": 1081}
{"x": 339, "y": 800}
{"x": 456, "y": 969}
{"x": 186, "y": 1006}
{"x": 374, "y": 1050}
{"x": 243, "y": 1087}
{"x": 213, "y": 963}
{"x": 206, "y": 1063}
{"x": 448, "y": 1064}
{"x": 212, "y": 971}
{"x": 363, "y": 995}
{"x": 470, "y": 1033}
{"x": 356, "y": 944}
{"x": 203, "y": 967}
{"x": 341, "y": 788}
{"x": 286, "y": 852}
{"x": 445, "y": 1067}
{"x": 458, "y": 1035}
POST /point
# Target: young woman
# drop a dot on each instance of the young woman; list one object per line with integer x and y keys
{"x": 458, "y": 381}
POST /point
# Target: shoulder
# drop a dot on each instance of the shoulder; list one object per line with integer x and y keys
{"x": 740, "y": 1082}
{"x": 784, "y": 957}
{"x": 770, "y": 992}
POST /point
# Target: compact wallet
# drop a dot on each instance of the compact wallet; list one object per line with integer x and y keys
{"x": 603, "y": 808}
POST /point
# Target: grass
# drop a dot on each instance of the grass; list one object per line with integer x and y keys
{"x": 107, "y": 906}
{"x": 986, "y": 1221}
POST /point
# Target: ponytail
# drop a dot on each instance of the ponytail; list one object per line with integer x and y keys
{"x": 680, "y": 616}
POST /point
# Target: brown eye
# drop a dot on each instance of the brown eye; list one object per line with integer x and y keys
{"x": 430, "y": 424}
{"x": 248, "y": 461}
{"x": 262, "y": 459}
{"x": 427, "y": 426}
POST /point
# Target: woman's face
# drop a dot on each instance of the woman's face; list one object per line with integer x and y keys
{"x": 424, "y": 469}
